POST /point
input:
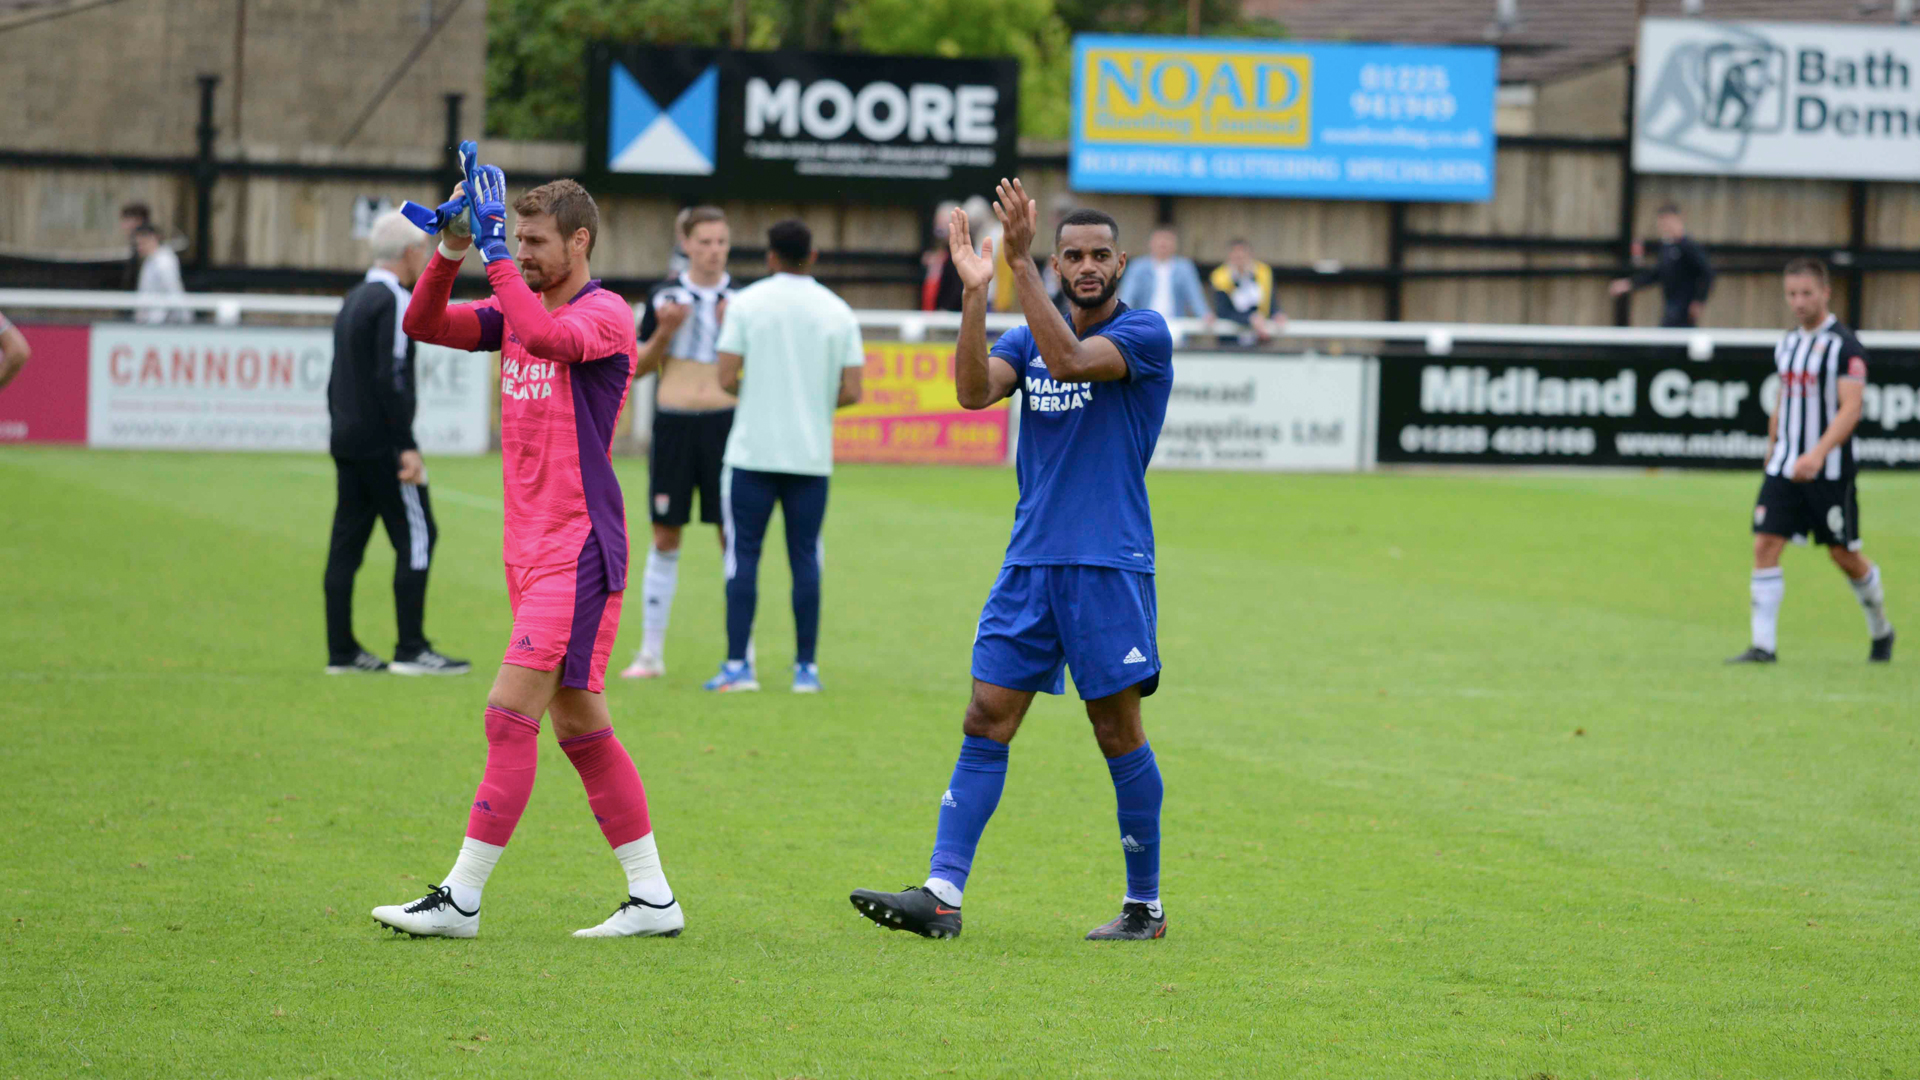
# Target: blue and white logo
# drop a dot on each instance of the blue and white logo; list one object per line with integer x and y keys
{"x": 680, "y": 139}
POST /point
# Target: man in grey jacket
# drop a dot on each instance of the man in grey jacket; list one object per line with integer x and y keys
{"x": 1165, "y": 281}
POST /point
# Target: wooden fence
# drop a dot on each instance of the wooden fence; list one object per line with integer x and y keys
{"x": 1541, "y": 251}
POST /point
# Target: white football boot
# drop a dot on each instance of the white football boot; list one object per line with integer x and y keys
{"x": 645, "y": 666}
{"x": 637, "y": 918}
{"x": 433, "y": 915}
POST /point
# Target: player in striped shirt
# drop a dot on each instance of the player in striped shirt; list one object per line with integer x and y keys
{"x": 1808, "y": 489}
{"x": 692, "y": 417}
{"x": 567, "y": 357}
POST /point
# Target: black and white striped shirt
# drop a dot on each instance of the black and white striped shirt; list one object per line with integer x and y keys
{"x": 698, "y": 335}
{"x": 1810, "y": 366}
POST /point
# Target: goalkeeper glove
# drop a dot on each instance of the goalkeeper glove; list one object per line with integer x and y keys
{"x": 486, "y": 188}
{"x": 449, "y": 216}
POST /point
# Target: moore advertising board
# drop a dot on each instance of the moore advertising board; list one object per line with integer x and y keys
{"x": 1676, "y": 413}
{"x": 1296, "y": 413}
{"x": 1192, "y": 116}
{"x": 719, "y": 124}
{"x": 1777, "y": 99}
{"x": 233, "y": 388}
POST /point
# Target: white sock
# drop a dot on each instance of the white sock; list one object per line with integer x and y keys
{"x": 641, "y": 860}
{"x": 1873, "y": 601}
{"x": 469, "y": 873}
{"x": 1768, "y": 588}
{"x": 656, "y": 596}
{"x": 946, "y": 891}
{"x": 1153, "y": 906}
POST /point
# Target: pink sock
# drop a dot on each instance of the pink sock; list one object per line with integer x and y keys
{"x": 614, "y": 793}
{"x": 513, "y": 752}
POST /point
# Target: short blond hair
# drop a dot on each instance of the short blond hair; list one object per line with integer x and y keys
{"x": 571, "y": 208}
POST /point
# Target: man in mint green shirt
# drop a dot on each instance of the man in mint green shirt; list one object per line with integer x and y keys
{"x": 790, "y": 349}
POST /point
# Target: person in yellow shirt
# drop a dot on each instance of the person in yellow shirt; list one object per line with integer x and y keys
{"x": 1243, "y": 295}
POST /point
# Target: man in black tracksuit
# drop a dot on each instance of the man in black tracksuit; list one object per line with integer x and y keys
{"x": 371, "y": 397}
{"x": 1681, "y": 268}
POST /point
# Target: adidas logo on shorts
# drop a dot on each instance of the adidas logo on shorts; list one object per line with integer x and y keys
{"x": 1134, "y": 656}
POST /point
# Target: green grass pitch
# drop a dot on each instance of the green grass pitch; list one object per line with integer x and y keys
{"x": 1456, "y": 787}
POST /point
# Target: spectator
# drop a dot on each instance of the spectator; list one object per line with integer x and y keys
{"x": 132, "y": 216}
{"x": 1681, "y": 268}
{"x": 1243, "y": 294}
{"x": 159, "y": 276}
{"x": 1166, "y": 281}
{"x": 940, "y": 289}
{"x": 372, "y": 395}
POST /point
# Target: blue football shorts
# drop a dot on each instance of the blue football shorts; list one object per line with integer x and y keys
{"x": 1039, "y": 620}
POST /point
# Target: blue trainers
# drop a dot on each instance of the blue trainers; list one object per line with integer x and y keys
{"x": 806, "y": 678}
{"x": 735, "y": 675}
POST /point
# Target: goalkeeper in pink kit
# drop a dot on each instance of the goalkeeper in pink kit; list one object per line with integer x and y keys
{"x": 567, "y": 355}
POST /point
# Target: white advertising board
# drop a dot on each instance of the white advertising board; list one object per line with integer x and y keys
{"x": 241, "y": 388}
{"x": 1265, "y": 412}
{"x": 1777, "y": 99}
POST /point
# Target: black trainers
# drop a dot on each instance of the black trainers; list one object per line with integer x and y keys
{"x": 361, "y": 663}
{"x": 1137, "y": 922}
{"x": 913, "y": 908}
{"x": 1882, "y": 650}
{"x": 1754, "y": 655}
{"x": 428, "y": 662}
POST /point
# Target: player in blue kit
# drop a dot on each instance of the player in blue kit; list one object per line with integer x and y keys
{"x": 1076, "y": 589}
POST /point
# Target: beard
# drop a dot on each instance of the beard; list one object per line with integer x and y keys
{"x": 1090, "y": 302}
{"x": 540, "y": 280}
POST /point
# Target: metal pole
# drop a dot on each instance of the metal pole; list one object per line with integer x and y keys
{"x": 1396, "y": 257}
{"x": 1629, "y": 197}
{"x": 450, "y": 154}
{"x": 1856, "y": 244}
{"x": 204, "y": 175}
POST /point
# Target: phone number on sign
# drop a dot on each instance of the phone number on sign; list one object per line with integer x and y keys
{"x": 1447, "y": 439}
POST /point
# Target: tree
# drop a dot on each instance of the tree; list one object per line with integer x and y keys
{"x": 1027, "y": 30}
{"x": 536, "y": 51}
{"x": 1218, "y": 18}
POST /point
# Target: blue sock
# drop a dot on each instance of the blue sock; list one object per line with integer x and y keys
{"x": 971, "y": 796}
{"x": 1137, "y": 790}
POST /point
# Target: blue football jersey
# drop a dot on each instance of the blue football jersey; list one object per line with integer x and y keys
{"x": 1084, "y": 449}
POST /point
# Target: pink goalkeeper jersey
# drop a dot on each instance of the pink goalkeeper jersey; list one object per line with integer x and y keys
{"x": 563, "y": 380}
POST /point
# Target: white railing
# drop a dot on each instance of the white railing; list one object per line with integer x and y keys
{"x": 229, "y": 309}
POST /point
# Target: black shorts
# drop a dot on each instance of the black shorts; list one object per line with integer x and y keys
{"x": 1826, "y": 510}
{"x": 685, "y": 456}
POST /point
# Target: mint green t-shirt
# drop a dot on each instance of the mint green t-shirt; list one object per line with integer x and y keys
{"x": 794, "y": 337}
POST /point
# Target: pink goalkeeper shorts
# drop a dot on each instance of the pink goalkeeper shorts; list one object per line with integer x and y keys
{"x": 564, "y": 617}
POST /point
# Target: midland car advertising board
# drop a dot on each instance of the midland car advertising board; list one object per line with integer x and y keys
{"x": 1677, "y": 413}
{"x": 1777, "y": 99}
{"x": 1191, "y": 116}
{"x": 1296, "y": 413}
{"x": 720, "y": 124}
